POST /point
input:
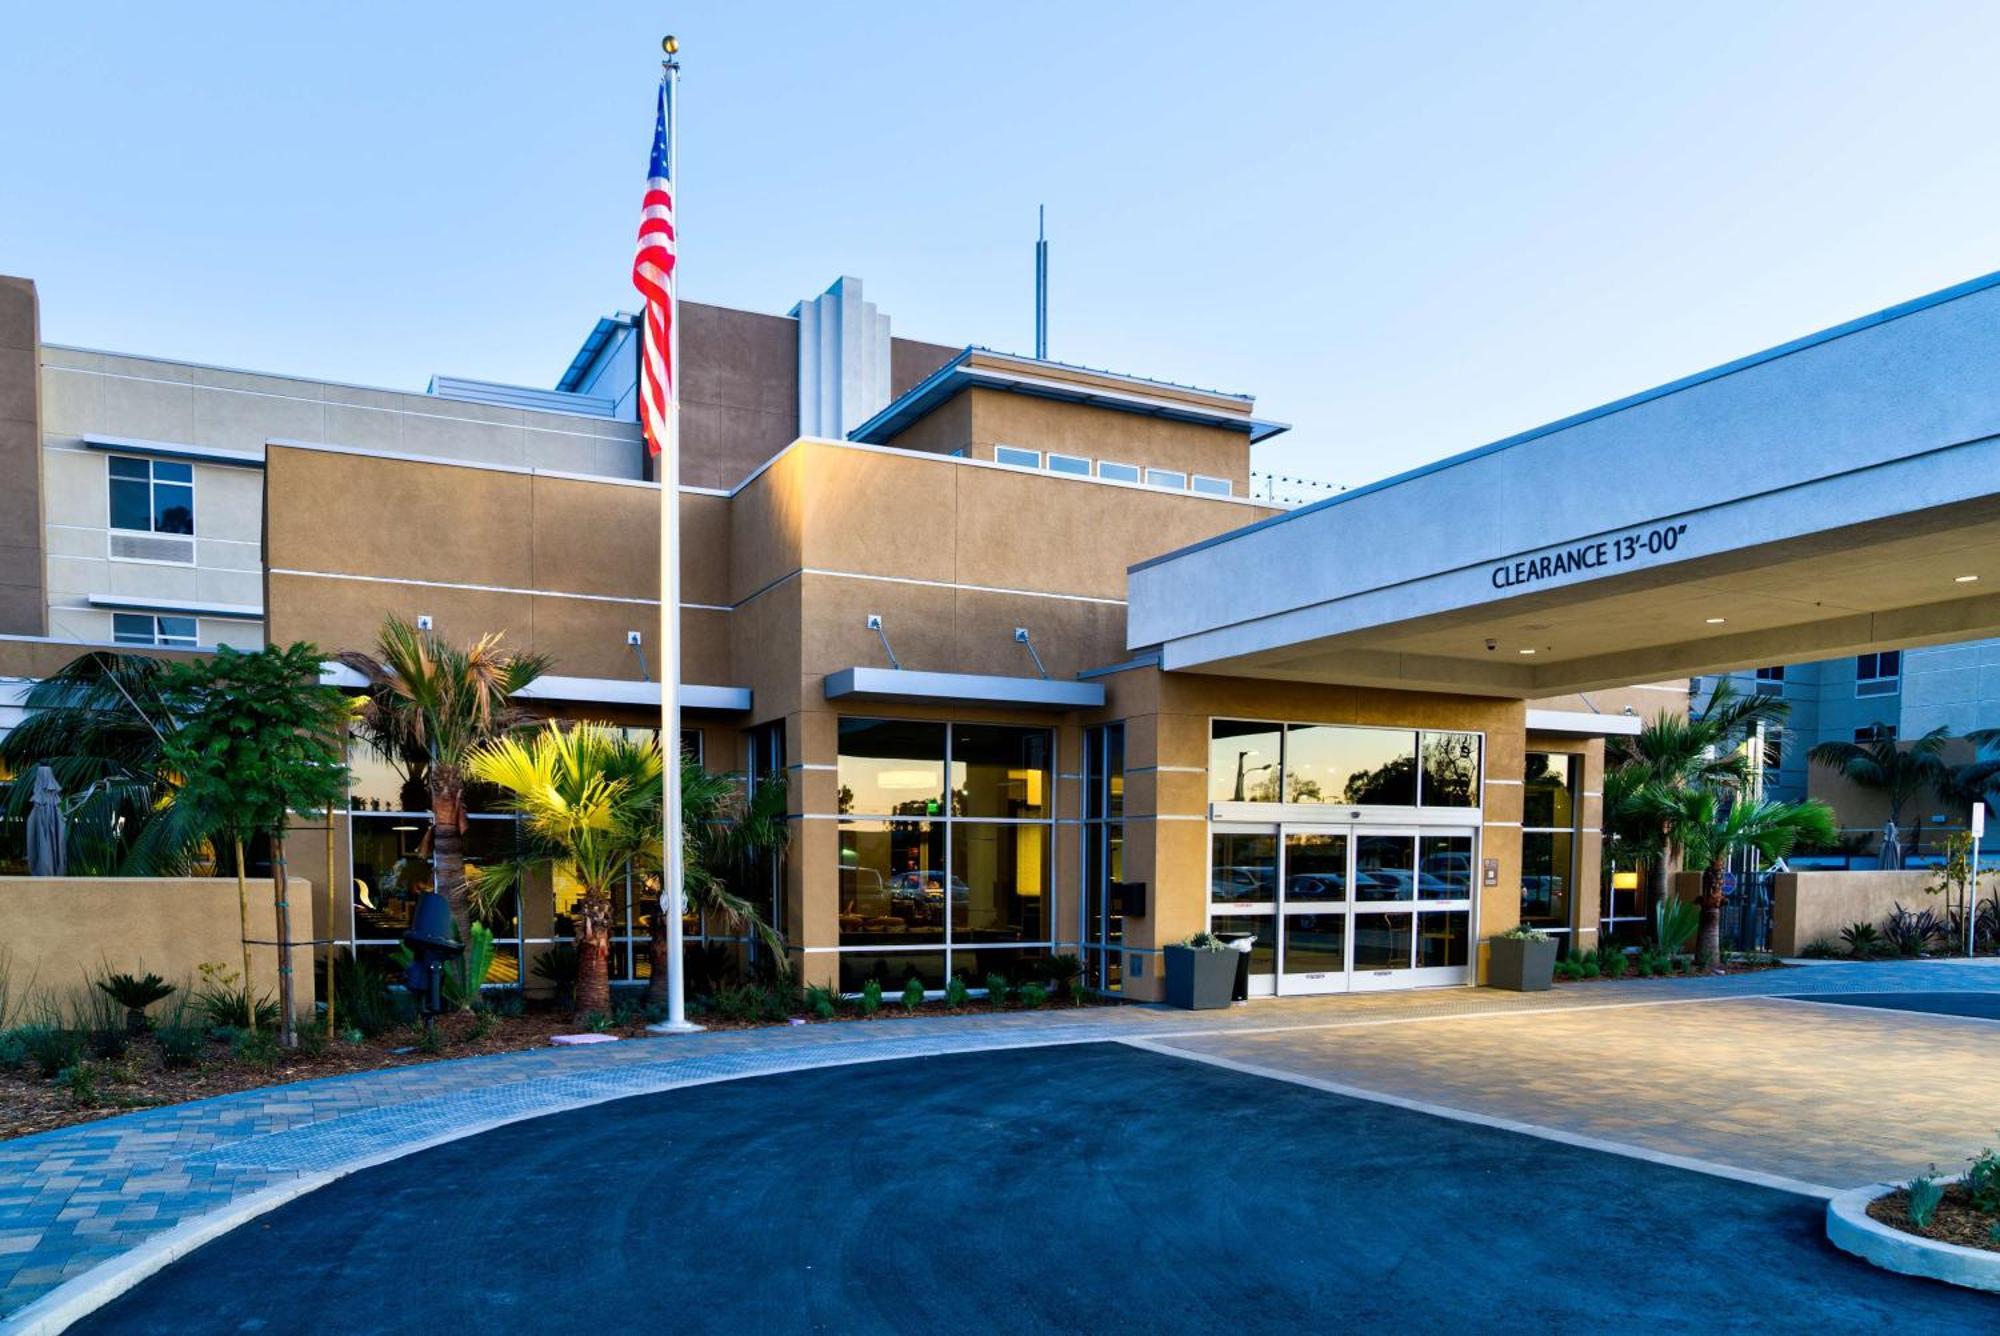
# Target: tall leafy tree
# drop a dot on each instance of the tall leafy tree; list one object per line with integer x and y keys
{"x": 260, "y": 738}
{"x": 589, "y": 799}
{"x": 1679, "y": 753}
{"x": 432, "y": 703}
{"x": 1898, "y": 771}
{"x": 1712, "y": 825}
{"x": 100, "y": 724}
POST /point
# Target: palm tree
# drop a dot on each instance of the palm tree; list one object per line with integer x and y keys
{"x": 1713, "y": 825}
{"x": 589, "y": 800}
{"x": 729, "y": 836}
{"x": 1900, "y": 773}
{"x": 1678, "y": 753}
{"x": 100, "y": 724}
{"x": 435, "y": 703}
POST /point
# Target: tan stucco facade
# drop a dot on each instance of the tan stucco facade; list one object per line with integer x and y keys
{"x": 60, "y": 933}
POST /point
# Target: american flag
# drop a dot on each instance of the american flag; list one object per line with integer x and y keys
{"x": 653, "y": 275}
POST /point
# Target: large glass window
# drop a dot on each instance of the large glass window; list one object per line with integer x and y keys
{"x": 151, "y": 495}
{"x": 1878, "y": 674}
{"x": 1243, "y": 870}
{"x": 139, "y": 628}
{"x": 998, "y": 771}
{"x": 891, "y": 767}
{"x": 1548, "y": 840}
{"x": 1103, "y": 928}
{"x": 1341, "y": 765}
{"x": 949, "y": 844}
{"x": 1245, "y": 762}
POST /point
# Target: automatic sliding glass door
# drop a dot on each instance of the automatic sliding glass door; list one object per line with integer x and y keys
{"x": 1313, "y": 927}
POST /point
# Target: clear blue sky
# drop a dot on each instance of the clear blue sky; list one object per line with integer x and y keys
{"x": 1407, "y": 229}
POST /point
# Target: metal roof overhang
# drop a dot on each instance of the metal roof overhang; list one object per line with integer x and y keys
{"x": 594, "y": 691}
{"x": 961, "y": 373}
{"x": 903, "y": 684}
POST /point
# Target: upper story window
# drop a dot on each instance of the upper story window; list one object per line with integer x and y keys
{"x": 1875, "y": 733}
{"x": 151, "y": 495}
{"x": 1879, "y": 674}
{"x": 1208, "y": 486}
{"x": 1010, "y": 454}
{"x": 1117, "y": 472}
{"x": 1169, "y": 478}
{"x": 1771, "y": 681}
{"x": 138, "y": 628}
{"x": 1076, "y": 464}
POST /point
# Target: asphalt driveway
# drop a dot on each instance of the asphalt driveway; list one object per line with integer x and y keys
{"x": 1085, "y": 1188}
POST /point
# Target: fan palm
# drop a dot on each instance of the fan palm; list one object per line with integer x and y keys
{"x": 1713, "y": 825}
{"x": 729, "y": 836}
{"x": 434, "y": 704}
{"x": 1678, "y": 753}
{"x": 100, "y": 724}
{"x": 589, "y": 802}
{"x": 1896, "y": 771}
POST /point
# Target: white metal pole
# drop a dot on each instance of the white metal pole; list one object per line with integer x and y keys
{"x": 1972, "y": 886}
{"x": 672, "y": 904}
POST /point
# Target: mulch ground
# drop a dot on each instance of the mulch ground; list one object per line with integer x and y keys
{"x": 1957, "y": 1219}
{"x": 1731, "y": 967}
{"x": 140, "y": 1079}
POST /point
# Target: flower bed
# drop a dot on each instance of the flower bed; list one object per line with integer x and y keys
{"x": 1957, "y": 1219}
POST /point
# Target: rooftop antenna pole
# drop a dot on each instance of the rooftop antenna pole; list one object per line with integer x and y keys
{"x": 1041, "y": 283}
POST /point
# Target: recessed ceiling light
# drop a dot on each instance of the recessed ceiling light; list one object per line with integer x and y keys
{"x": 1964, "y": 579}
{"x": 1527, "y": 651}
{"x": 1716, "y": 621}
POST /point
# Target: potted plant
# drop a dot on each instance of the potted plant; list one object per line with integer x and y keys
{"x": 1522, "y": 959}
{"x": 1201, "y": 973}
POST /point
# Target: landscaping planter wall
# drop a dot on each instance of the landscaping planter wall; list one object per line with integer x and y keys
{"x": 1811, "y": 906}
{"x": 59, "y": 932}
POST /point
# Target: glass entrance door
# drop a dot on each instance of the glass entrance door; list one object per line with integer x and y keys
{"x": 1313, "y": 924}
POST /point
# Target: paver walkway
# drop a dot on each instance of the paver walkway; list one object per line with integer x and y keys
{"x": 73, "y": 1199}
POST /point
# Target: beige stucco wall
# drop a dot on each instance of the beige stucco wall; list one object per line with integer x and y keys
{"x": 62, "y": 931}
{"x": 1814, "y": 906}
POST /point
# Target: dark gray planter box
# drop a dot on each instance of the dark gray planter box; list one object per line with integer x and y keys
{"x": 1520, "y": 965}
{"x": 1201, "y": 980}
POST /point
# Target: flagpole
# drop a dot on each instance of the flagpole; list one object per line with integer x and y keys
{"x": 672, "y": 903}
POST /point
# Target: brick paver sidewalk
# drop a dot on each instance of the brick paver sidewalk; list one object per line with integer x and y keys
{"x": 73, "y": 1199}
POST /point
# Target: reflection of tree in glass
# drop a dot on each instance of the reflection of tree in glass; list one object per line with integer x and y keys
{"x": 1306, "y": 791}
{"x": 846, "y": 800}
{"x": 1451, "y": 768}
{"x": 1390, "y": 785}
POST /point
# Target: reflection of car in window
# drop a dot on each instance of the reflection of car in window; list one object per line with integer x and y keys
{"x": 1316, "y": 886}
{"x": 1241, "y": 883}
{"x": 862, "y": 891}
{"x": 923, "y": 887}
{"x": 1395, "y": 883}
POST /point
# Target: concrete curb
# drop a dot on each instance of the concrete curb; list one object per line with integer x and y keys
{"x": 1850, "y": 1228}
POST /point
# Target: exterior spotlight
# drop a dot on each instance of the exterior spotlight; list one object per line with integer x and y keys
{"x": 1964, "y": 579}
{"x": 1527, "y": 651}
{"x": 670, "y": 44}
{"x": 1716, "y": 621}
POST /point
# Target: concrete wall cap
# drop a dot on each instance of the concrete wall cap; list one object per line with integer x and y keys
{"x": 1850, "y": 1228}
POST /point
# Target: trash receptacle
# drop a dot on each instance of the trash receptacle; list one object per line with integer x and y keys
{"x": 1242, "y": 944}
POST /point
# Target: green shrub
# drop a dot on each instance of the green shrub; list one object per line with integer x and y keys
{"x": 1611, "y": 962}
{"x": 823, "y": 1002}
{"x": 13, "y": 1051}
{"x": 1862, "y": 940}
{"x": 1063, "y": 970}
{"x": 871, "y": 997}
{"x": 1033, "y": 996}
{"x": 913, "y": 994}
{"x": 1589, "y": 967}
{"x": 361, "y": 996}
{"x": 1925, "y": 1194}
{"x": 596, "y": 1022}
{"x": 1982, "y": 1181}
{"x": 430, "y": 1041}
{"x": 1820, "y": 948}
{"x": 1077, "y": 993}
{"x": 81, "y": 1082}
{"x": 556, "y": 966}
{"x": 259, "y": 1048}
{"x": 311, "y": 1040}
{"x": 109, "y": 1043}
{"x": 956, "y": 994}
{"x": 181, "y": 1045}
{"x": 135, "y": 995}
{"x": 1674, "y": 921}
{"x": 996, "y": 989}
{"x": 51, "y": 1049}
{"x": 225, "y": 1001}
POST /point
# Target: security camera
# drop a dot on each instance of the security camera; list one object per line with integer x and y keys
{"x": 633, "y": 638}
{"x": 423, "y": 622}
{"x": 1492, "y": 645}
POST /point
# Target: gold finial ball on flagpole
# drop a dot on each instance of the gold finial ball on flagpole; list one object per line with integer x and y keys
{"x": 670, "y": 44}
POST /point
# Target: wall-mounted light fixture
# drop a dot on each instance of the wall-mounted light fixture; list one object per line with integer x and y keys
{"x": 875, "y": 625}
{"x": 1021, "y": 638}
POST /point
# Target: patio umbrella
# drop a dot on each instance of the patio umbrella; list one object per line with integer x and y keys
{"x": 1891, "y": 857}
{"x": 48, "y": 840}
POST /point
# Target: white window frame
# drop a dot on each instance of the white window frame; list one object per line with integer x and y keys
{"x": 1154, "y": 475}
{"x": 1001, "y": 451}
{"x": 1138, "y": 474}
{"x": 160, "y": 640}
{"x": 1083, "y": 472}
{"x": 1220, "y": 487}
{"x": 193, "y": 484}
